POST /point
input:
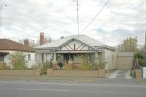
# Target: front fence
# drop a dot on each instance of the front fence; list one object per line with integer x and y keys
{"x": 20, "y": 72}
{"x": 76, "y": 73}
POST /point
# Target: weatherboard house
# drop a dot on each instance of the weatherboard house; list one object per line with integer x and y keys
{"x": 8, "y": 47}
{"x": 68, "y": 48}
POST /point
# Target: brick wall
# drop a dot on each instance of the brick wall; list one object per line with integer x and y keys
{"x": 19, "y": 72}
{"x": 138, "y": 73}
{"x": 2, "y": 65}
{"x": 71, "y": 73}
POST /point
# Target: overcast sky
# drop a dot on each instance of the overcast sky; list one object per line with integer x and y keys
{"x": 119, "y": 19}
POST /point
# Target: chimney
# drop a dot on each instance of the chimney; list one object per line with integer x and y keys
{"x": 61, "y": 37}
{"x": 26, "y": 42}
{"x": 42, "y": 38}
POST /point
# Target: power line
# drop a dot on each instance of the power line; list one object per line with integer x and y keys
{"x": 95, "y": 16}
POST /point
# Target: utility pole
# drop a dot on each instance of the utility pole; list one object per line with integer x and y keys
{"x": 77, "y": 3}
{"x": 145, "y": 50}
{"x": 1, "y": 12}
{"x": 145, "y": 41}
{"x": 1, "y": 7}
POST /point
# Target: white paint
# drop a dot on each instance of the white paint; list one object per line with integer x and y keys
{"x": 78, "y": 46}
{"x": 109, "y": 55}
{"x": 144, "y": 72}
{"x": 29, "y": 62}
{"x": 110, "y": 58}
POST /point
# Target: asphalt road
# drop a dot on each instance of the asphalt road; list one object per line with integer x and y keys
{"x": 103, "y": 88}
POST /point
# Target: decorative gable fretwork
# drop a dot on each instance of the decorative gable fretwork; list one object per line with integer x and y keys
{"x": 75, "y": 46}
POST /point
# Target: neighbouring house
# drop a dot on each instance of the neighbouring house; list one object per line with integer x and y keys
{"x": 68, "y": 48}
{"x": 8, "y": 47}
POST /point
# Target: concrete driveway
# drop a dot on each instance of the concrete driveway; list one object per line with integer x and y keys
{"x": 119, "y": 74}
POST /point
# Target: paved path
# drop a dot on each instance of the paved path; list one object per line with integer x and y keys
{"x": 103, "y": 88}
{"x": 119, "y": 74}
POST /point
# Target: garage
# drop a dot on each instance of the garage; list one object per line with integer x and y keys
{"x": 125, "y": 60}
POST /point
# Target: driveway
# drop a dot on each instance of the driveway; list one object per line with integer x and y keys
{"x": 119, "y": 74}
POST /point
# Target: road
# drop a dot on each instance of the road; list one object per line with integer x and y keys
{"x": 103, "y": 88}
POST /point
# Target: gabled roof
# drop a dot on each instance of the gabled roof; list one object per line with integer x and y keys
{"x": 83, "y": 38}
{"x": 6, "y": 44}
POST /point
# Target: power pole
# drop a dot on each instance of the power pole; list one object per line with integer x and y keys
{"x": 1, "y": 13}
{"x": 77, "y": 3}
{"x": 145, "y": 50}
{"x": 145, "y": 42}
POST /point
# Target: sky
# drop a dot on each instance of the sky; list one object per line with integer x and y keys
{"x": 119, "y": 19}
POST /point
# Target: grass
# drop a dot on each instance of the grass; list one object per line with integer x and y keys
{"x": 142, "y": 81}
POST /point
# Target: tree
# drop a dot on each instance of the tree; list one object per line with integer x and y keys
{"x": 128, "y": 45}
{"x": 141, "y": 55}
{"x": 17, "y": 60}
{"x": 138, "y": 55}
{"x": 48, "y": 39}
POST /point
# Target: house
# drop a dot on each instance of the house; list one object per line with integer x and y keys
{"x": 68, "y": 48}
{"x": 8, "y": 47}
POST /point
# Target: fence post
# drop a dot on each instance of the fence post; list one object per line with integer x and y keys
{"x": 138, "y": 74}
{"x": 49, "y": 72}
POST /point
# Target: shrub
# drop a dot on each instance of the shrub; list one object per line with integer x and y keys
{"x": 67, "y": 66}
{"x": 84, "y": 65}
{"x": 34, "y": 67}
{"x": 44, "y": 67}
{"x": 8, "y": 68}
{"x": 17, "y": 60}
{"x": 101, "y": 63}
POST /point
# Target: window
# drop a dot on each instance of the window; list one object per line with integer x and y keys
{"x": 1, "y": 58}
{"x": 42, "y": 58}
{"x": 100, "y": 54}
{"x": 29, "y": 57}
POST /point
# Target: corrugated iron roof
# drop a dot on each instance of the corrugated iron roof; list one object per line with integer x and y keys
{"x": 83, "y": 38}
